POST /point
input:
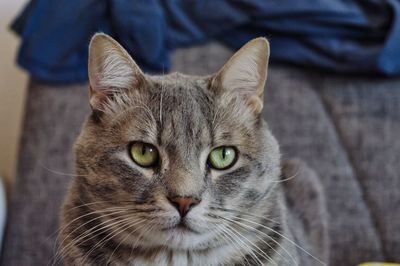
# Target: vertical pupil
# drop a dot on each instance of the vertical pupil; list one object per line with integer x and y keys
{"x": 223, "y": 153}
{"x": 143, "y": 149}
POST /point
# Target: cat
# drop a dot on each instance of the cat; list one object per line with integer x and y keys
{"x": 177, "y": 169}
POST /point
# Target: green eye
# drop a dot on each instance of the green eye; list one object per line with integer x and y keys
{"x": 144, "y": 154}
{"x": 222, "y": 158}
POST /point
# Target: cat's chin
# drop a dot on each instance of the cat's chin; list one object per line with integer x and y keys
{"x": 178, "y": 237}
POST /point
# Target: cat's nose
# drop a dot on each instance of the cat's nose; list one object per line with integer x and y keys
{"x": 184, "y": 204}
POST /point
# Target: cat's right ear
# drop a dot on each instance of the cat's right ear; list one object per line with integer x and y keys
{"x": 111, "y": 70}
{"x": 245, "y": 74}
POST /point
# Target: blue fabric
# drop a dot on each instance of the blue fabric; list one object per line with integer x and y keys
{"x": 338, "y": 35}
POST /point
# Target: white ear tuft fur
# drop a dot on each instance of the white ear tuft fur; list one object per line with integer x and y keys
{"x": 245, "y": 73}
{"x": 111, "y": 69}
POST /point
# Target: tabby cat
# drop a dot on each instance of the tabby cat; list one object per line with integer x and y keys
{"x": 177, "y": 169}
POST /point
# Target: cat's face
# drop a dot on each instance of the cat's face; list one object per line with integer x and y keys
{"x": 171, "y": 152}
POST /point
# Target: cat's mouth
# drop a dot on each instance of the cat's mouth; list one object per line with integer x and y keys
{"x": 181, "y": 227}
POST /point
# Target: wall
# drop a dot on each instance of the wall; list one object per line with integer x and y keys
{"x": 12, "y": 91}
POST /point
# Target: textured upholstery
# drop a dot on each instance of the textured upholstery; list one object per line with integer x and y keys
{"x": 345, "y": 128}
{"x": 53, "y": 118}
{"x": 366, "y": 112}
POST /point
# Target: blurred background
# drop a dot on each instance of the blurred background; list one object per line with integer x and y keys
{"x": 12, "y": 91}
{"x": 12, "y": 98}
{"x": 332, "y": 99}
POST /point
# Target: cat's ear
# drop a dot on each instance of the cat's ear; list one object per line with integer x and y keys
{"x": 111, "y": 70}
{"x": 245, "y": 73}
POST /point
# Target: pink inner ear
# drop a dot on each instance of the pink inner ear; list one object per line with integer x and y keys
{"x": 111, "y": 68}
{"x": 256, "y": 103}
{"x": 94, "y": 98}
{"x": 97, "y": 97}
{"x": 245, "y": 73}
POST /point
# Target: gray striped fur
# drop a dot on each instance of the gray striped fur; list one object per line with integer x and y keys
{"x": 117, "y": 213}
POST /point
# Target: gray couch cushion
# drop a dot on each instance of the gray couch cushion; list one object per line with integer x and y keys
{"x": 53, "y": 118}
{"x": 366, "y": 112}
{"x": 305, "y": 130}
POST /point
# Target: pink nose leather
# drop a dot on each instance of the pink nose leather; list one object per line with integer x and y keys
{"x": 183, "y": 205}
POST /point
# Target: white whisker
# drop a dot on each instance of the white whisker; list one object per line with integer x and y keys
{"x": 263, "y": 233}
{"x": 92, "y": 234}
{"x": 120, "y": 228}
{"x": 61, "y": 251}
{"x": 227, "y": 235}
{"x": 289, "y": 240}
{"x": 263, "y": 254}
{"x": 250, "y": 250}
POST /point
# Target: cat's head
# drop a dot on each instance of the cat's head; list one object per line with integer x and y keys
{"x": 171, "y": 154}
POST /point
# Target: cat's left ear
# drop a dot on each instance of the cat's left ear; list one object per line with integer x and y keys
{"x": 245, "y": 73}
{"x": 111, "y": 70}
